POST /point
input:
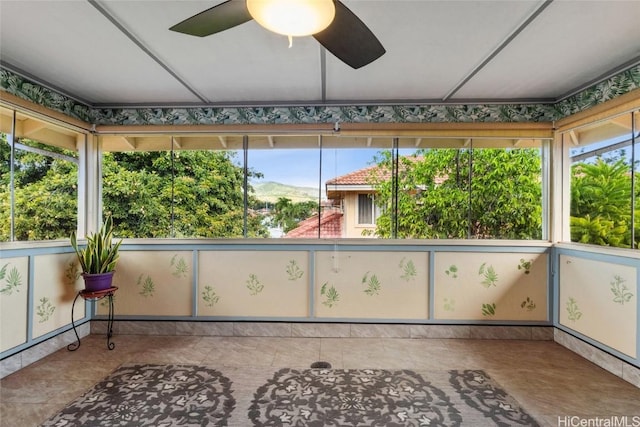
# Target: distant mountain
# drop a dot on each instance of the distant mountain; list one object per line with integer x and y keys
{"x": 272, "y": 191}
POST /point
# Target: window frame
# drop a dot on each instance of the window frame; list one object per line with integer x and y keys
{"x": 23, "y": 126}
{"x": 365, "y": 135}
{"x": 597, "y": 132}
{"x": 374, "y": 209}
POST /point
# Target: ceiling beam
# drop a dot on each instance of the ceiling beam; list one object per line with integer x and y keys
{"x": 29, "y": 127}
{"x": 498, "y": 49}
{"x": 604, "y": 76}
{"x": 623, "y": 120}
{"x": 145, "y": 49}
{"x": 51, "y": 137}
{"x": 130, "y": 141}
{"x": 575, "y": 140}
{"x": 323, "y": 73}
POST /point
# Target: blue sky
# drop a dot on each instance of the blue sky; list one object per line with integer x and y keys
{"x": 300, "y": 167}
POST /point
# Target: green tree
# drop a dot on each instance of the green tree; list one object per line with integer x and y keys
{"x": 437, "y": 198}
{"x": 601, "y": 203}
{"x": 287, "y": 214}
{"x": 45, "y": 191}
{"x": 205, "y": 200}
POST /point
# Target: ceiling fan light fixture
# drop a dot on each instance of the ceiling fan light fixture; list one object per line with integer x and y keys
{"x": 293, "y": 17}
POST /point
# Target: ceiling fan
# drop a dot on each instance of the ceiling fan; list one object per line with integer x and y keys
{"x": 344, "y": 34}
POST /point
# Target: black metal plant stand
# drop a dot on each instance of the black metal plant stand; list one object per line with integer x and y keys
{"x": 95, "y": 296}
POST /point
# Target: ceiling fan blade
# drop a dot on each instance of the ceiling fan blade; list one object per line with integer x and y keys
{"x": 349, "y": 39}
{"x": 218, "y": 18}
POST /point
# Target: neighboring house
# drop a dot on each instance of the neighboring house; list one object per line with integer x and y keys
{"x": 351, "y": 210}
{"x": 355, "y": 194}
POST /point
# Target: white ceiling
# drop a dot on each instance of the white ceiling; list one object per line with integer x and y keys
{"x": 117, "y": 53}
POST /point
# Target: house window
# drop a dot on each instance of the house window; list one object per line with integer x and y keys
{"x": 368, "y": 212}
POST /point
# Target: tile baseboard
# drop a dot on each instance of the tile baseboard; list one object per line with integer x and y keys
{"x": 618, "y": 367}
{"x": 38, "y": 351}
{"x": 323, "y": 330}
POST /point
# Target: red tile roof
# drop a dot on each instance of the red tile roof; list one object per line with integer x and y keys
{"x": 361, "y": 176}
{"x": 330, "y": 226}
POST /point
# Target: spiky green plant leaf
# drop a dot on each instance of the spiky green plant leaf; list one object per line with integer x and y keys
{"x": 101, "y": 254}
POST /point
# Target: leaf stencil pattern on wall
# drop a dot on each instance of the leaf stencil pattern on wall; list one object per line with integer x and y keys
{"x": 573, "y": 311}
{"x": 254, "y": 285}
{"x": 408, "y": 269}
{"x": 147, "y": 286}
{"x": 525, "y": 265}
{"x": 373, "y": 284}
{"x": 528, "y": 304}
{"x": 12, "y": 280}
{"x": 331, "y": 295}
{"x": 621, "y": 293}
{"x": 45, "y": 310}
{"x": 489, "y": 309}
{"x": 452, "y": 271}
{"x": 209, "y": 296}
{"x": 489, "y": 274}
{"x": 449, "y": 304}
{"x": 179, "y": 266}
{"x": 294, "y": 272}
{"x": 71, "y": 273}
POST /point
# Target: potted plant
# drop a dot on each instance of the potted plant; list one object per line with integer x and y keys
{"x": 98, "y": 259}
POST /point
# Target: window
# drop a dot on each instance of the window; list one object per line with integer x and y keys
{"x": 368, "y": 212}
{"x": 506, "y": 194}
{"x": 635, "y": 140}
{"x": 312, "y": 186}
{"x": 283, "y": 186}
{"x": 175, "y": 186}
{"x": 349, "y": 176}
{"x": 603, "y": 182}
{"x": 39, "y": 195}
{"x": 478, "y": 192}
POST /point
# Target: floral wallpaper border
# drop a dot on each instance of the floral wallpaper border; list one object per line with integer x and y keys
{"x": 611, "y": 88}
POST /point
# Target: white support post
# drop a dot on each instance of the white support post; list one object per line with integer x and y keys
{"x": 560, "y": 189}
{"x": 92, "y": 180}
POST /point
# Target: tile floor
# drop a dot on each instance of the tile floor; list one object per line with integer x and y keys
{"x": 547, "y": 379}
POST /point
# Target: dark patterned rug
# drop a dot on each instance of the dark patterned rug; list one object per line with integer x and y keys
{"x": 185, "y": 395}
{"x": 153, "y": 395}
{"x": 373, "y": 397}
